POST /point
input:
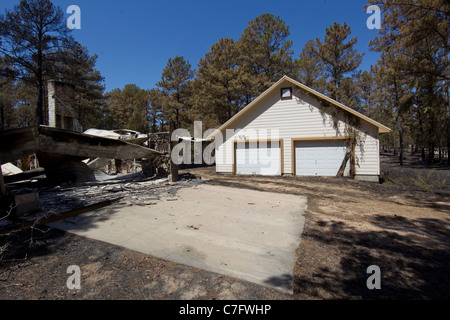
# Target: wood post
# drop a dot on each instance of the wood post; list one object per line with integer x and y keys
{"x": 173, "y": 176}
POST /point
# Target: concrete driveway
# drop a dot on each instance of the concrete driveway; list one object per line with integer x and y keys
{"x": 250, "y": 235}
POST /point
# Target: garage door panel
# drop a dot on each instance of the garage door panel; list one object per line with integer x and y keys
{"x": 319, "y": 158}
{"x": 309, "y": 163}
{"x": 261, "y": 160}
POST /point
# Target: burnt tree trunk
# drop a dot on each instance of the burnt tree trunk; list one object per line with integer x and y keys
{"x": 400, "y": 137}
{"x": 431, "y": 149}
{"x": 350, "y": 155}
{"x": 344, "y": 164}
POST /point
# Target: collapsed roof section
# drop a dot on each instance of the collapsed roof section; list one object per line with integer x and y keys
{"x": 17, "y": 143}
{"x": 122, "y": 134}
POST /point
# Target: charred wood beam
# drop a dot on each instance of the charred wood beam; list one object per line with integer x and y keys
{"x": 26, "y": 175}
{"x": 18, "y": 143}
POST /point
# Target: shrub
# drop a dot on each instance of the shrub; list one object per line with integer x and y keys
{"x": 430, "y": 181}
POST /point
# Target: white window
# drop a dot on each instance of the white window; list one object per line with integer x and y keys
{"x": 286, "y": 94}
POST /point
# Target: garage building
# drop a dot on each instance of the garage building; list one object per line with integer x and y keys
{"x": 291, "y": 129}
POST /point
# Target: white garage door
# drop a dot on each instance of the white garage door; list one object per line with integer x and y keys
{"x": 319, "y": 158}
{"x": 262, "y": 159}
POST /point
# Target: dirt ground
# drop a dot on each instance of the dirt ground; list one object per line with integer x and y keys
{"x": 401, "y": 225}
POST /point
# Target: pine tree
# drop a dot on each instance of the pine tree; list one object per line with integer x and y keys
{"x": 265, "y": 54}
{"x": 155, "y": 98}
{"x": 217, "y": 86}
{"x": 393, "y": 99}
{"x": 77, "y": 67}
{"x": 30, "y": 36}
{"x": 175, "y": 84}
{"x": 340, "y": 60}
{"x": 415, "y": 35}
{"x": 365, "y": 95}
{"x": 310, "y": 68}
{"x": 129, "y": 108}
{"x": 8, "y": 87}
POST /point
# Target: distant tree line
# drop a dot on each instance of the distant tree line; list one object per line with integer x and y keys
{"x": 406, "y": 90}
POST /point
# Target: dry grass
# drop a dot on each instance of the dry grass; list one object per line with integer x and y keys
{"x": 401, "y": 225}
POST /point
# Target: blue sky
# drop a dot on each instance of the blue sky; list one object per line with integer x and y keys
{"x": 135, "y": 38}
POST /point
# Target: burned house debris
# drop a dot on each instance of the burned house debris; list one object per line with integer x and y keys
{"x": 108, "y": 163}
{"x": 61, "y": 151}
{"x": 57, "y": 202}
{"x": 62, "y": 155}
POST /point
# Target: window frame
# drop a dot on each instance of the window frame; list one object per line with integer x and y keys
{"x": 290, "y": 91}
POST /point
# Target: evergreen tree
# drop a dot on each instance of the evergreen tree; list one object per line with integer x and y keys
{"x": 365, "y": 93}
{"x": 155, "y": 99}
{"x": 175, "y": 84}
{"x": 310, "y": 68}
{"x": 129, "y": 108}
{"x": 393, "y": 100}
{"x": 77, "y": 67}
{"x": 217, "y": 84}
{"x": 340, "y": 60}
{"x": 30, "y": 36}
{"x": 415, "y": 37}
{"x": 8, "y": 87}
{"x": 265, "y": 54}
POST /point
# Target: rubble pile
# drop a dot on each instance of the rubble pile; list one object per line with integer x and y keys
{"x": 134, "y": 193}
{"x": 82, "y": 171}
{"x": 156, "y": 165}
{"x": 160, "y": 164}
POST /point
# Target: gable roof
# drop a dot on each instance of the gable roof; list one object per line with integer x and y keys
{"x": 381, "y": 128}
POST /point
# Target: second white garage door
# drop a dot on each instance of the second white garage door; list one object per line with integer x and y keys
{"x": 262, "y": 159}
{"x": 319, "y": 158}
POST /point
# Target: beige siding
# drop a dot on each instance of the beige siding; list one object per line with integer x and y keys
{"x": 224, "y": 158}
{"x": 293, "y": 119}
{"x": 368, "y": 153}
